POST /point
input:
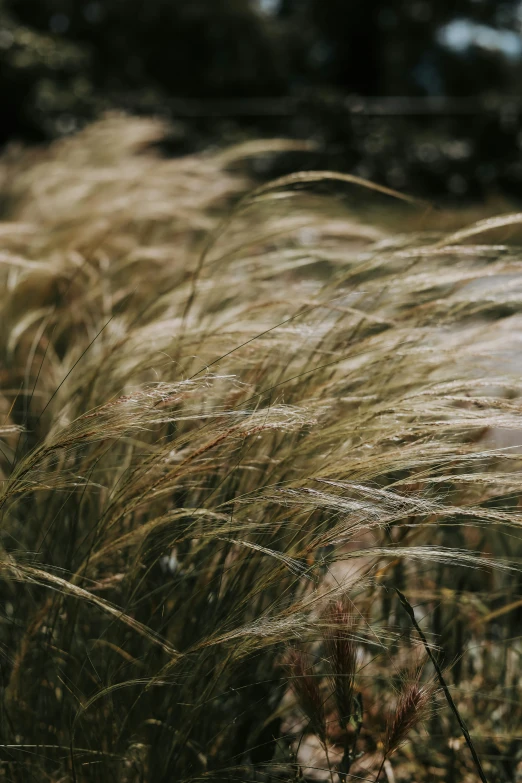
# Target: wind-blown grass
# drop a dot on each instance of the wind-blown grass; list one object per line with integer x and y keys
{"x": 219, "y": 413}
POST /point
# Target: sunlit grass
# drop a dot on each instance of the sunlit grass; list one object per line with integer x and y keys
{"x": 220, "y": 412}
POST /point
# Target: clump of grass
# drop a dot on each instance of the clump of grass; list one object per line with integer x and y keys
{"x": 229, "y": 424}
{"x": 413, "y": 703}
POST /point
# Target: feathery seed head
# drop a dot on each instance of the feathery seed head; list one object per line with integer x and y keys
{"x": 306, "y": 691}
{"x": 412, "y": 706}
{"x": 341, "y": 651}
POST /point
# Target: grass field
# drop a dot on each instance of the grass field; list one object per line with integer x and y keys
{"x": 234, "y": 422}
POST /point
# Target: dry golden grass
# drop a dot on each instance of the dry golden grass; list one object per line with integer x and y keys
{"x": 220, "y": 412}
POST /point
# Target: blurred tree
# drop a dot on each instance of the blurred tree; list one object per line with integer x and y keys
{"x": 64, "y": 61}
{"x": 120, "y": 51}
{"x": 40, "y": 81}
{"x": 395, "y": 47}
{"x": 190, "y": 47}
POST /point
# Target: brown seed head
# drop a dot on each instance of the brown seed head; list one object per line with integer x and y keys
{"x": 411, "y": 709}
{"x": 341, "y": 651}
{"x": 306, "y": 691}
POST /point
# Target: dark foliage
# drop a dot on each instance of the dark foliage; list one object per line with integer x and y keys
{"x": 229, "y": 70}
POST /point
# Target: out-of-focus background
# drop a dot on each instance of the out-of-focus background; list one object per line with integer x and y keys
{"x": 420, "y": 95}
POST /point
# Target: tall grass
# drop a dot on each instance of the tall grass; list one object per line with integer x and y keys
{"x": 222, "y": 415}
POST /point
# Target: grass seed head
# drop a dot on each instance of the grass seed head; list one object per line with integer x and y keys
{"x": 306, "y": 689}
{"x": 412, "y": 707}
{"x": 341, "y": 652}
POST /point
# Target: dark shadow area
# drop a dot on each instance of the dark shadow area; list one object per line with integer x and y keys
{"x": 420, "y": 95}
